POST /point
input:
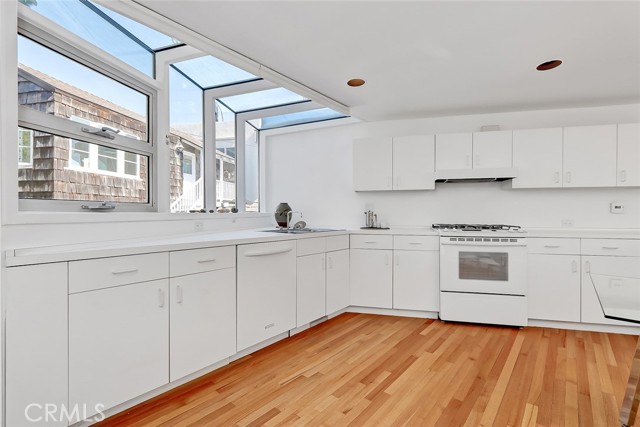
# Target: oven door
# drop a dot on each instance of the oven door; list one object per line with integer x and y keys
{"x": 484, "y": 268}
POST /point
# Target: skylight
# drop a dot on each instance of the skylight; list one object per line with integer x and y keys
{"x": 208, "y": 72}
{"x": 261, "y": 99}
{"x": 298, "y": 118}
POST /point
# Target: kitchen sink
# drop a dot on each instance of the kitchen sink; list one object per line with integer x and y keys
{"x": 300, "y": 230}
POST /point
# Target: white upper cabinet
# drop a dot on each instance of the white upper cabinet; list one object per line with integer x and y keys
{"x": 372, "y": 166}
{"x": 537, "y": 155}
{"x": 629, "y": 155}
{"x": 589, "y": 156}
{"x": 453, "y": 151}
{"x": 413, "y": 162}
{"x": 492, "y": 149}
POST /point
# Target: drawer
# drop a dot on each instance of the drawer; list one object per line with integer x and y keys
{"x": 317, "y": 245}
{"x": 614, "y": 247}
{"x": 103, "y": 273}
{"x": 371, "y": 241}
{"x": 336, "y": 243}
{"x": 201, "y": 260}
{"x": 416, "y": 243}
{"x": 553, "y": 246}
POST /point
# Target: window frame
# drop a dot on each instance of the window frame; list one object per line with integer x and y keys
{"x": 43, "y": 31}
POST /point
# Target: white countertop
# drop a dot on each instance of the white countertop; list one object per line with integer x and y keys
{"x": 40, "y": 255}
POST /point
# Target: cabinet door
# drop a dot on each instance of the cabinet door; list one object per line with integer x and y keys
{"x": 554, "y": 287}
{"x": 266, "y": 291}
{"x": 416, "y": 280}
{"x": 337, "y": 280}
{"x": 36, "y": 343}
{"x": 372, "y": 163}
{"x": 611, "y": 269}
{"x": 537, "y": 155}
{"x": 589, "y": 156}
{"x": 203, "y": 320}
{"x": 492, "y": 149}
{"x": 414, "y": 162}
{"x": 312, "y": 294}
{"x": 453, "y": 151}
{"x": 371, "y": 278}
{"x": 629, "y": 155}
{"x": 118, "y": 343}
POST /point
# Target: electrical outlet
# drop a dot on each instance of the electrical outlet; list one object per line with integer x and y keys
{"x": 567, "y": 223}
{"x": 616, "y": 207}
{"x": 198, "y": 226}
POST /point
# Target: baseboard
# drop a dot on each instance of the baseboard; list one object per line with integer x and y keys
{"x": 591, "y": 327}
{"x": 393, "y": 312}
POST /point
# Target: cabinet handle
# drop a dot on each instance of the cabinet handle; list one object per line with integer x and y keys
{"x": 587, "y": 267}
{"x": 330, "y": 259}
{"x": 133, "y": 270}
{"x": 370, "y": 242}
{"x": 397, "y": 181}
{"x": 556, "y": 177}
{"x": 568, "y": 178}
{"x": 160, "y": 298}
{"x": 179, "y": 294}
{"x": 613, "y": 248}
{"x": 551, "y": 246}
{"x": 324, "y": 264}
{"x": 574, "y": 266}
{"x": 268, "y": 252}
{"x": 415, "y": 243}
{"x": 623, "y": 176}
{"x": 204, "y": 261}
{"x": 386, "y": 259}
{"x": 398, "y": 260}
{"x": 477, "y": 159}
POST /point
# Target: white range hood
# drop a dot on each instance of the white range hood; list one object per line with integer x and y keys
{"x": 476, "y": 175}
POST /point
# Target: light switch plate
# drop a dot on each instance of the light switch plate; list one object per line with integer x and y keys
{"x": 616, "y": 207}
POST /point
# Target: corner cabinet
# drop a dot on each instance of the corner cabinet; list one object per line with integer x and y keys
{"x": 398, "y": 163}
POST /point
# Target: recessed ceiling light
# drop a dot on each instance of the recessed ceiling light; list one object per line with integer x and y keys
{"x": 355, "y": 82}
{"x": 548, "y": 65}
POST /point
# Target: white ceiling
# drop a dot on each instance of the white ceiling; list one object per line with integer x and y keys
{"x": 428, "y": 58}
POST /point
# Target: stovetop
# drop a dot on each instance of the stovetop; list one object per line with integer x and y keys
{"x": 478, "y": 228}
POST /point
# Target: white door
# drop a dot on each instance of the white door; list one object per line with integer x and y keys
{"x": 266, "y": 291}
{"x": 554, "y": 287}
{"x": 371, "y": 278}
{"x": 337, "y": 280}
{"x": 312, "y": 288}
{"x": 453, "y": 151}
{"x": 372, "y": 164}
{"x": 36, "y": 343}
{"x": 537, "y": 155}
{"x": 416, "y": 276}
{"x": 492, "y": 149}
{"x": 118, "y": 343}
{"x": 414, "y": 162}
{"x": 188, "y": 167}
{"x": 629, "y": 155}
{"x": 589, "y": 156}
{"x": 610, "y": 269}
{"x": 203, "y": 320}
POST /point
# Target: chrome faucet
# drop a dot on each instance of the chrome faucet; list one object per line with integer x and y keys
{"x": 290, "y": 217}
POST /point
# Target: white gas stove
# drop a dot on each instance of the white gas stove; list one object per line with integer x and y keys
{"x": 483, "y": 273}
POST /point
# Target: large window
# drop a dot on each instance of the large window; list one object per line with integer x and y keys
{"x": 225, "y": 158}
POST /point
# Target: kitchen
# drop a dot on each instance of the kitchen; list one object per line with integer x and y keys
{"x": 312, "y": 168}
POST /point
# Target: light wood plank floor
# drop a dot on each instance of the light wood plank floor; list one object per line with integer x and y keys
{"x": 366, "y": 370}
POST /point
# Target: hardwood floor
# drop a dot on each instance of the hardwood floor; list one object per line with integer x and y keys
{"x": 366, "y": 370}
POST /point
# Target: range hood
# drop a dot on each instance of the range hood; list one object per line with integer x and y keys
{"x": 476, "y": 175}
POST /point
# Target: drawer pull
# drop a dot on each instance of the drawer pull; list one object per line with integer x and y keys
{"x": 133, "y": 270}
{"x": 160, "y": 298}
{"x": 371, "y": 243}
{"x": 204, "y": 261}
{"x": 613, "y": 248}
{"x": 415, "y": 243}
{"x": 386, "y": 259}
{"x": 179, "y": 294}
{"x": 568, "y": 177}
{"x": 398, "y": 260}
{"x": 330, "y": 259}
{"x": 268, "y": 252}
{"x": 587, "y": 267}
{"x": 556, "y": 177}
{"x": 623, "y": 176}
{"x": 552, "y": 246}
{"x": 574, "y": 266}
{"x": 270, "y": 325}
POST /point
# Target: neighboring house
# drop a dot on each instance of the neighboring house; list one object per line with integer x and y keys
{"x": 55, "y": 167}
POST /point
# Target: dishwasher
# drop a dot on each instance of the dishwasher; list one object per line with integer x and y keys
{"x": 266, "y": 291}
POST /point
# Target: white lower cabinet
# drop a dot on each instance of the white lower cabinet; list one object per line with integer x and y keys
{"x": 118, "y": 343}
{"x": 416, "y": 280}
{"x": 203, "y": 320}
{"x": 36, "y": 344}
{"x": 266, "y": 291}
{"x": 337, "y": 280}
{"x": 312, "y": 289}
{"x": 371, "y": 278}
{"x": 554, "y": 287}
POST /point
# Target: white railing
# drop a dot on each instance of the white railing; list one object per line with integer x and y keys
{"x": 225, "y": 191}
{"x": 192, "y": 197}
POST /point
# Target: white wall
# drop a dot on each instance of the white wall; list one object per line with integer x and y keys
{"x": 312, "y": 171}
